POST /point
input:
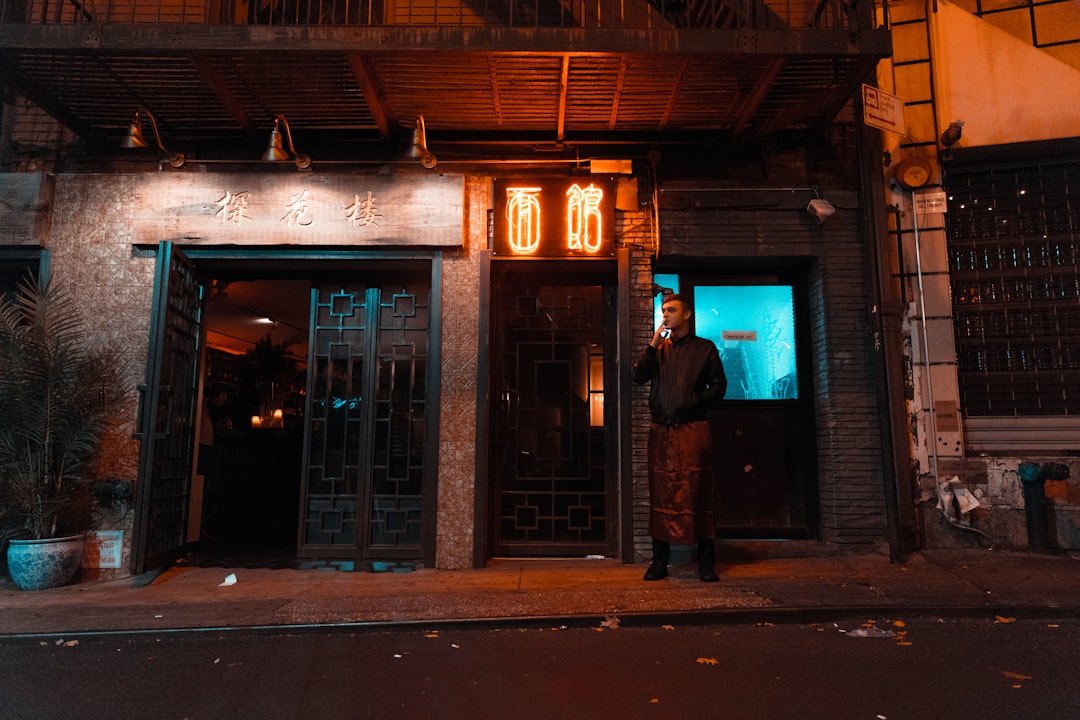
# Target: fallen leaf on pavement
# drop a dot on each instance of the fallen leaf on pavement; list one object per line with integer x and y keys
{"x": 1016, "y": 676}
{"x": 610, "y": 622}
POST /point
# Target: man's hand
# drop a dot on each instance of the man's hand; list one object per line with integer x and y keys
{"x": 659, "y": 336}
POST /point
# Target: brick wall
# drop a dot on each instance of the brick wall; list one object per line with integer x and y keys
{"x": 637, "y": 235}
{"x": 771, "y": 229}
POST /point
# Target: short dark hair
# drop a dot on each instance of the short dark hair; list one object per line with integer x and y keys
{"x": 678, "y": 297}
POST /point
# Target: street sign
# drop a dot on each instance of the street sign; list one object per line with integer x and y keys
{"x": 882, "y": 110}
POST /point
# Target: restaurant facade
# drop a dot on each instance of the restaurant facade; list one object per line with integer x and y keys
{"x": 441, "y": 318}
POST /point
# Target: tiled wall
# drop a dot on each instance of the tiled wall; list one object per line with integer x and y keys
{"x": 460, "y": 352}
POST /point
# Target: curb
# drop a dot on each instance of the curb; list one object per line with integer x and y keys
{"x": 695, "y": 618}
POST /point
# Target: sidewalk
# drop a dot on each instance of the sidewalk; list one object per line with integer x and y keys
{"x": 947, "y": 582}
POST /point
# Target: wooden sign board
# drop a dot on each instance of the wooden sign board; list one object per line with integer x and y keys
{"x": 23, "y": 208}
{"x": 299, "y": 209}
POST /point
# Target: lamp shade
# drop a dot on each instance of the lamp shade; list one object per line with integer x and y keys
{"x": 134, "y": 137}
{"x": 275, "y": 150}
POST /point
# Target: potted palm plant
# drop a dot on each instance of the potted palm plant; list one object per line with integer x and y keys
{"x": 57, "y": 391}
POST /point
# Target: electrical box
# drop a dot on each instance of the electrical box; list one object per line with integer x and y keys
{"x": 950, "y": 432}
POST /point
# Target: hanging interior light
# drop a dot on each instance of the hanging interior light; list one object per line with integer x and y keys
{"x": 278, "y": 150}
{"x": 419, "y": 148}
{"x": 135, "y": 139}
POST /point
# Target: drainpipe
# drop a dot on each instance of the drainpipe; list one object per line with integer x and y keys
{"x": 931, "y": 424}
{"x": 901, "y": 524}
{"x": 931, "y": 421}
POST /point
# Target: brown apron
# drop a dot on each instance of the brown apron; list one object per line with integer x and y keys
{"x": 680, "y": 483}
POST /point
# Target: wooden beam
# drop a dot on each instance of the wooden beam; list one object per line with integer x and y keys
{"x": 756, "y": 96}
{"x": 564, "y": 76}
{"x": 496, "y": 103}
{"x": 861, "y": 74}
{"x": 793, "y": 113}
{"x": 374, "y": 96}
{"x": 45, "y": 100}
{"x": 222, "y": 91}
{"x": 673, "y": 96}
{"x": 169, "y": 39}
{"x": 620, "y": 83}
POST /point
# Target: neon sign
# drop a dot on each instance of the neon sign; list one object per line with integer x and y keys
{"x": 584, "y": 225}
{"x": 523, "y": 219}
{"x": 553, "y": 218}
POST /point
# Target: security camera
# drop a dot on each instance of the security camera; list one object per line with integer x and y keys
{"x": 820, "y": 209}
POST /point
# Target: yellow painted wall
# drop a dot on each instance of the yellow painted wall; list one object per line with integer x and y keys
{"x": 1003, "y": 88}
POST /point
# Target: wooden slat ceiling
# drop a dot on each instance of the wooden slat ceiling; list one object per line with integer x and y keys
{"x": 342, "y": 91}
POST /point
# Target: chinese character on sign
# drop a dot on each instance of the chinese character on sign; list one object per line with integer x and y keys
{"x": 584, "y": 226}
{"x": 362, "y": 212}
{"x": 297, "y": 210}
{"x": 231, "y": 207}
{"x": 523, "y": 214}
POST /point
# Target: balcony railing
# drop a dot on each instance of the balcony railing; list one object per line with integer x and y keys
{"x": 626, "y": 14}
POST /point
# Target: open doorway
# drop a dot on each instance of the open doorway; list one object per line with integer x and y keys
{"x": 289, "y": 411}
{"x": 246, "y": 492}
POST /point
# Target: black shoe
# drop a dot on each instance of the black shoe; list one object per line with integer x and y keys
{"x": 657, "y": 571}
{"x": 707, "y": 561}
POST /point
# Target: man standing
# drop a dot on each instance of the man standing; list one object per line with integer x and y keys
{"x": 687, "y": 381}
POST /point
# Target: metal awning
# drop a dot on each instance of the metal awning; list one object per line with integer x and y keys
{"x": 349, "y": 91}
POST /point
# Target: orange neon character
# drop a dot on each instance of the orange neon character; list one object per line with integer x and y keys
{"x": 523, "y": 215}
{"x": 584, "y": 225}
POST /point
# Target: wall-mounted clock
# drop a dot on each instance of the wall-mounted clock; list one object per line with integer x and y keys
{"x": 912, "y": 173}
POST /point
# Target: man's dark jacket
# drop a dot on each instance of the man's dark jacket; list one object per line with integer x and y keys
{"x": 687, "y": 379}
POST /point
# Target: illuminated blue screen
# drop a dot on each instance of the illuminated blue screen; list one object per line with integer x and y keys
{"x": 754, "y": 328}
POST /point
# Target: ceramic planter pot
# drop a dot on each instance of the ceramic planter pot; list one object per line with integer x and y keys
{"x": 41, "y": 564}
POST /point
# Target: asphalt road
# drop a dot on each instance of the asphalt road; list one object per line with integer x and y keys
{"x": 898, "y": 669}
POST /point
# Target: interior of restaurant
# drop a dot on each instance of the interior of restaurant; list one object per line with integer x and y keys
{"x": 254, "y": 381}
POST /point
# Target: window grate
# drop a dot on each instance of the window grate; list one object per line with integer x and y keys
{"x": 1013, "y": 235}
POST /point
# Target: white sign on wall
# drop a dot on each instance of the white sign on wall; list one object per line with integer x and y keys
{"x": 882, "y": 110}
{"x": 103, "y": 549}
{"x": 931, "y": 201}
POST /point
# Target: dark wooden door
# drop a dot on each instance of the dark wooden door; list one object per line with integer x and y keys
{"x": 553, "y": 440}
{"x": 367, "y": 460}
{"x": 167, "y": 412}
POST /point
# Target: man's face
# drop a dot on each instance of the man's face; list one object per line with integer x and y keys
{"x": 676, "y": 316}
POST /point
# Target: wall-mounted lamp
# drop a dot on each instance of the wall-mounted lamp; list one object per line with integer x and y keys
{"x": 135, "y": 138}
{"x": 277, "y": 151}
{"x": 952, "y": 134}
{"x": 820, "y": 210}
{"x": 419, "y": 148}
